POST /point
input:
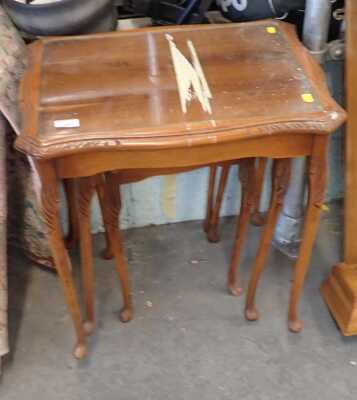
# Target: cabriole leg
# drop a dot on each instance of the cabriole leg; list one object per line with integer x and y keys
{"x": 317, "y": 171}
{"x": 258, "y": 218}
{"x": 210, "y": 196}
{"x": 70, "y": 188}
{"x": 280, "y": 181}
{"x": 107, "y": 253}
{"x": 246, "y": 176}
{"x": 85, "y": 195}
{"x": 50, "y": 208}
{"x": 212, "y": 233}
{"x": 112, "y": 207}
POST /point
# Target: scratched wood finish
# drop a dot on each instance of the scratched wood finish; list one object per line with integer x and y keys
{"x": 340, "y": 289}
{"x": 122, "y": 89}
{"x": 256, "y": 78}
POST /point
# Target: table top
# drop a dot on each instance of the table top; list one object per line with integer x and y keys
{"x": 120, "y": 90}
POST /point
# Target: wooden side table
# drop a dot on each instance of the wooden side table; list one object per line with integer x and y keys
{"x": 118, "y": 95}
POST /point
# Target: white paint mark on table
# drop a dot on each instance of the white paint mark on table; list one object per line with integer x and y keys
{"x": 190, "y": 78}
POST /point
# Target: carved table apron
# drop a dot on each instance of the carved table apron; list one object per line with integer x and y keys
{"x": 110, "y": 102}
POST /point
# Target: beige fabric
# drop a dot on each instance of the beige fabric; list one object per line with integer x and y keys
{"x": 12, "y": 64}
{"x": 24, "y": 219}
{"x": 4, "y": 348}
{"x": 25, "y": 223}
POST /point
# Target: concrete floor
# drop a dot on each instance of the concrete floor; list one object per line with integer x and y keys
{"x": 189, "y": 339}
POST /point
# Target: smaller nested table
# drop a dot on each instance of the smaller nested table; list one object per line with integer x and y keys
{"x": 119, "y": 95}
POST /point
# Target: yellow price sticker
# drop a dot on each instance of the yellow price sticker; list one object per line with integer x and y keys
{"x": 325, "y": 208}
{"x": 307, "y": 97}
{"x": 271, "y": 29}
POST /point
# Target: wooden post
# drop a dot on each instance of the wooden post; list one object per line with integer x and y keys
{"x": 340, "y": 289}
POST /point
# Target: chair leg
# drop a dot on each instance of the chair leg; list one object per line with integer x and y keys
{"x": 246, "y": 175}
{"x": 212, "y": 233}
{"x": 317, "y": 168}
{"x": 210, "y": 196}
{"x": 86, "y": 191}
{"x": 280, "y": 181}
{"x": 70, "y": 188}
{"x": 112, "y": 206}
{"x": 258, "y": 218}
{"x": 107, "y": 253}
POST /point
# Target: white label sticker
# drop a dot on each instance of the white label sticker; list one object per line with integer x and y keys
{"x": 67, "y": 123}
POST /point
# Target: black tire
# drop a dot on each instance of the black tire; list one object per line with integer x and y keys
{"x": 252, "y": 10}
{"x": 107, "y": 23}
{"x": 65, "y": 17}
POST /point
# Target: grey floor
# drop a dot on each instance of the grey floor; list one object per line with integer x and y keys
{"x": 189, "y": 339}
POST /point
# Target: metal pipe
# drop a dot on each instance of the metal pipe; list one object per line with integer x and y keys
{"x": 316, "y": 26}
{"x": 287, "y": 234}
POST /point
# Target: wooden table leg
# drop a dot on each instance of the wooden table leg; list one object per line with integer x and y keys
{"x": 86, "y": 190}
{"x": 107, "y": 253}
{"x": 112, "y": 207}
{"x": 210, "y": 196}
{"x": 246, "y": 176}
{"x": 50, "y": 208}
{"x": 212, "y": 233}
{"x": 280, "y": 181}
{"x": 258, "y": 218}
{"x": 70, "y": 188}
{"x": 317, "y": 168}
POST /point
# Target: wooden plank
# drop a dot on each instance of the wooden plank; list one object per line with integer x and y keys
{"x": 350, "y": 226}
{"x": 340, "y": 289}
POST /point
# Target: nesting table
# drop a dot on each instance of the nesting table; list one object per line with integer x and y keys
{"x": 105, "y": 103}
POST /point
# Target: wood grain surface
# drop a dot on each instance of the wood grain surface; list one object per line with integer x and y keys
{"x": 122, "y": 90}
{"x": 350, "y": 245}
